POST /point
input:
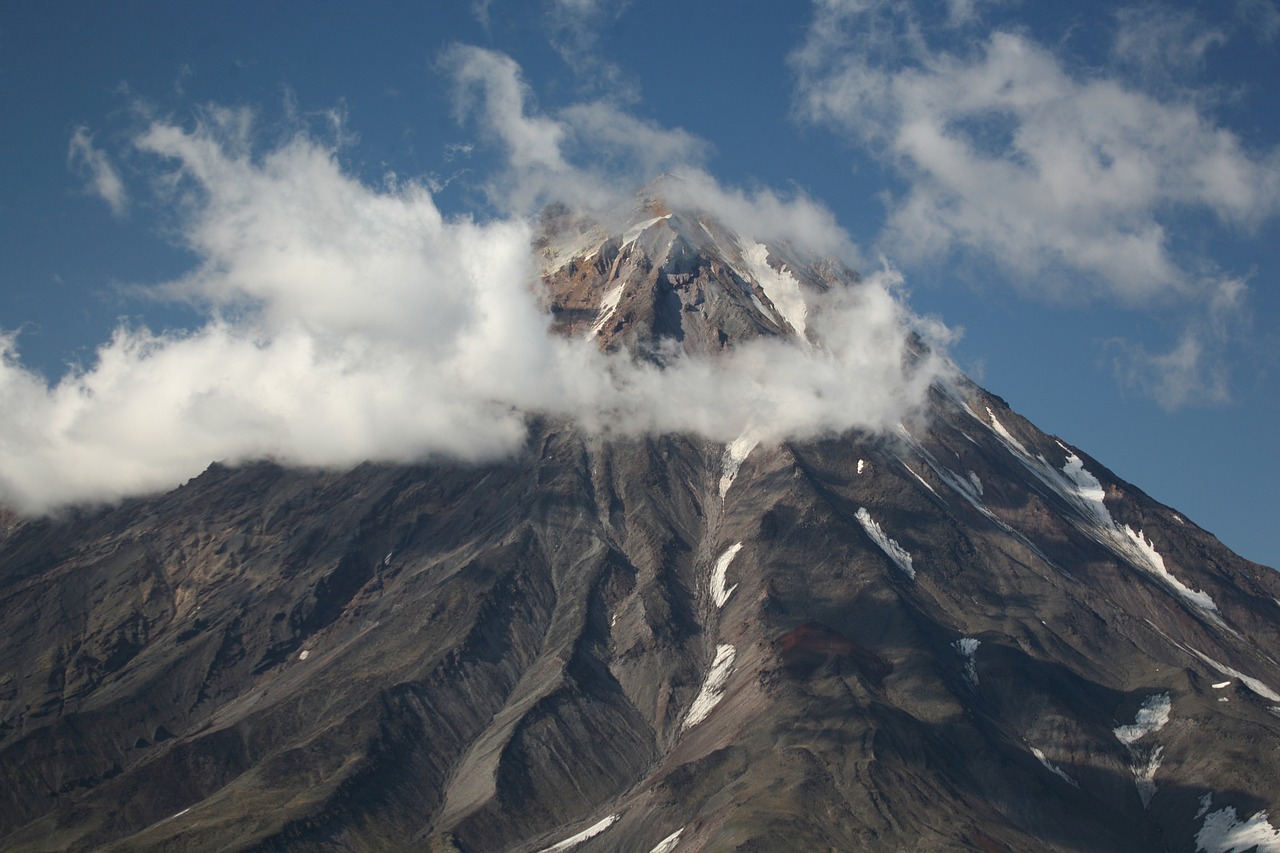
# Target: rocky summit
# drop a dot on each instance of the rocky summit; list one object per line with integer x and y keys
{"x": 962, "y": 635}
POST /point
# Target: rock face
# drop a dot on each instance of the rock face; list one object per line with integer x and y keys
{"x": 967, "y": 636}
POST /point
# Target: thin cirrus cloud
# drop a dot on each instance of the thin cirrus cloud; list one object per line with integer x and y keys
{"x": 1074, "y": 184}
{"x": 100, "y": 176}
{"x": 345, "y": 321}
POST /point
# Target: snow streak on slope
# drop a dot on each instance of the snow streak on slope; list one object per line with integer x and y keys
{"x": 891, "y": 548}
{"x": 1004, "y": 433}
{"x": 1147, "y": 554}
{"x": 669, "y": 843}
{"x": 1085, "y": 493}
{"x": 608, "y": 305}
{"x": 1253, "y": 684}
{"x": 1144, "y": 775}
{"x": 1224, "y": 832}
{"x": 1205, "y": 802}
{"x": 589, "y": 832}
{"x": 718, "y": 593}
{"x": 969, "y": 488}
{"x": 1053, "y": 768}
{"x": 713, "y": 688}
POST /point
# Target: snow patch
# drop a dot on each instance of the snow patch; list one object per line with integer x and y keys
{"x": 1087, "y": 494}
{"x": 1152, "y": 717}
{"x": 590, "y": 832}
{"x": 634, "y": 232}
{"x": 779, "y": 285}
{"x": 891, "y": 548}
{"x": 669, "y": 843}
{"x": 1156, "y": 564}
{"x": 1224, "y": 832}
{"x": 1087, "y": 489}
{"x": 966, "y": 647}
{"x": 1205, "y": 802}
{"x": 608, "y": 306}
{"x": 302, "y": 655}
{"x": 861, "y": 464}
{"x": 1144, "y": 775}
{"x": 1221, "y": 684}
{"x": 713, "y": 688}
{"x": 718, "y": 593}
{"x": 977, "y": 484}
{"x": 1053, "y": 768}
{"x": 1004, "y": 433}
{"x": 735, "y": 453}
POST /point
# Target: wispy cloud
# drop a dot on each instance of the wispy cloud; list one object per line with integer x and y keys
{"x": 574, "y": 28}
{"x": 1262, "y": 17}
{"x": 588, "y": 154}
{"x": 100, "y": 176}
{"x": 1194, "y": 370}
{"x": 1074, "y": 184}
{"x": 347, "y": 322}
{"x": 1161, "y": 43}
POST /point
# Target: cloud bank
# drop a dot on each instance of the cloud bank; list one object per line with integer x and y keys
{"x": 347, "y": 322}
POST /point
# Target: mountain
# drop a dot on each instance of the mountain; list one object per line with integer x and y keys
{"x": 962, "y": 635}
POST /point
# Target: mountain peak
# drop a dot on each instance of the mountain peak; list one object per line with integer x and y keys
{"x": 674, "y": 278}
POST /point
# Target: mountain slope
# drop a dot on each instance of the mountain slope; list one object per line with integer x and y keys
{"x": 966, "y": 635}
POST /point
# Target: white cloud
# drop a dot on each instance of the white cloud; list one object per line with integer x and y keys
{"x": 1261, "y": 17}
{"x": 799, "y": 220}
{"x": 1161, "y": 42}
{"x": 1073, "y": 184}
{"x": 1009, "y": 155}
{"x": 1195, "y": 369}
{"x": 480, "y": 11}
{"x": 1184, "y": 374}
{"x": 348, "y": 322}
{"x": 101, "y": 177}
{"x": 574, "y": 29}
{"x": 531, "y": 141}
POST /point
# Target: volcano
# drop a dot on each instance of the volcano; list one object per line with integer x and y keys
{"x": 959, "y": 634}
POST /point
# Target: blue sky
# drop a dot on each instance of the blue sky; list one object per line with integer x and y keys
{"x": 1091, "y": 193}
